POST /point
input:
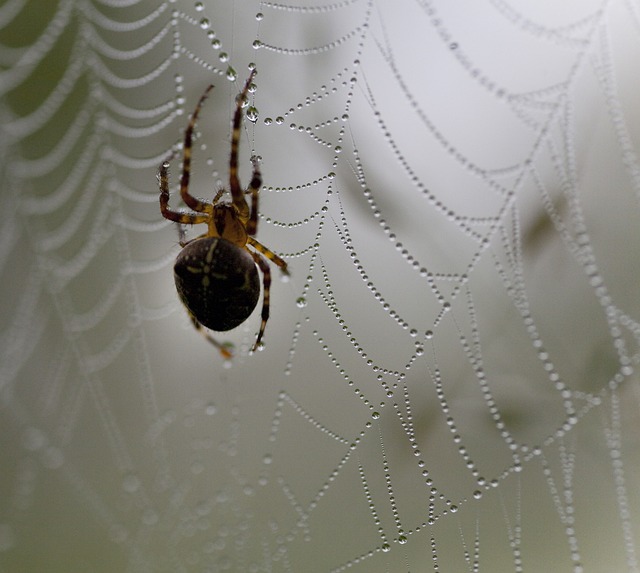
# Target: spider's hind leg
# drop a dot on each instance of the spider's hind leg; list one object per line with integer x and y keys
{"x": 223, "y": 347}
{"x": 266, "y": 289}
{"x": 258, "y": 246}
{"x": 182, "y": 234}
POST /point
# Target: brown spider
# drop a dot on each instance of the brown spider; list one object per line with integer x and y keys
{"x": 215, "y": 273}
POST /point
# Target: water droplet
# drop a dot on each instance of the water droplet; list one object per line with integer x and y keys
{"x": 204, "y": 23}
{"x": 375, "y": 415}
{"x": 477, "y": 494}
{"x": 252, "y": 114}
{"x": 259, "y": 16}
{"x": 301, "y": 302}
{"x": 386, "y": 547}
{"x": 267, "y": 459}
{"x": 402, "y": 539}
{"x": 199, "y": 6}
{"x": 231, "y": 73}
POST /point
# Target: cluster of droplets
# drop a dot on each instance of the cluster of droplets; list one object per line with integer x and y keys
{"x": 329, "y": 46}
{"x": 345, "y": 237}
{"x": 312, "y": 9}
{"x": 306, "y": 510}
{"x": 465, "y": 224}
{"x": 450, "y": 421}
{"x": 515, "y": 287}
{"x": 329, "y": 300}
{"x": 286, "y": 399}
{"x": 406, "y": 421}
{"x": 204, "y": 23}
{"x": 613, "y": 435}
{"x": 563, "y": 496}
{"x": 402, "y": 538}
{"x": 396, "y": 376}
{"x": 431, "y": 278}
{"x": 301, "y": 187}
{"x": 338, "y": 82}
{"x": 402, "y": 534}
{"x": 359, "y": 392}
{"x": 372, "y": 508}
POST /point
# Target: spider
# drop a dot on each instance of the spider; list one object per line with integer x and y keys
{"x": 215, "y": 273}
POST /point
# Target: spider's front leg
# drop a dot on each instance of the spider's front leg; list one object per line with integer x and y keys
{"x": 189, "y": 200}
{"x": 252, "y": 223}
{"x": 167, "y": 212}
{"x": 266, "y": 290}
{"x": 237, "y": 193}
{"x": 254, "y": 187}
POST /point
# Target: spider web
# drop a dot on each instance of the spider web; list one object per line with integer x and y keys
{"x": 449, "y": 378}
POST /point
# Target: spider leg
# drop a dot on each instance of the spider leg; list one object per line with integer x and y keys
{"x": 190, "y": 200}
{"x": 167, "y": 213}
{"x": 254, "y": 187}
{"x": 224, "y": 348}
{"x": 237, "y": 194}
{"x": 219, "y": 194}
{"x": 266, "y": 286}
{"x": 182, "y": 235}
{"x": 269, "y": 254}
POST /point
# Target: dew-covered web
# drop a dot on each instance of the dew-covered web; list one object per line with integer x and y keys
{"x": 448, "y": 381}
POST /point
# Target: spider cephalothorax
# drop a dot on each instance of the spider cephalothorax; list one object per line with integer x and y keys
{"x": 215, "y": 273}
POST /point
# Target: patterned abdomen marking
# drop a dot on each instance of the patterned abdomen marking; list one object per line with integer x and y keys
{"x": 217, "y": 282}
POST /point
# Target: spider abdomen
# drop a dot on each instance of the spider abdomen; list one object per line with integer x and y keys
{"x": 218, "y": 282}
